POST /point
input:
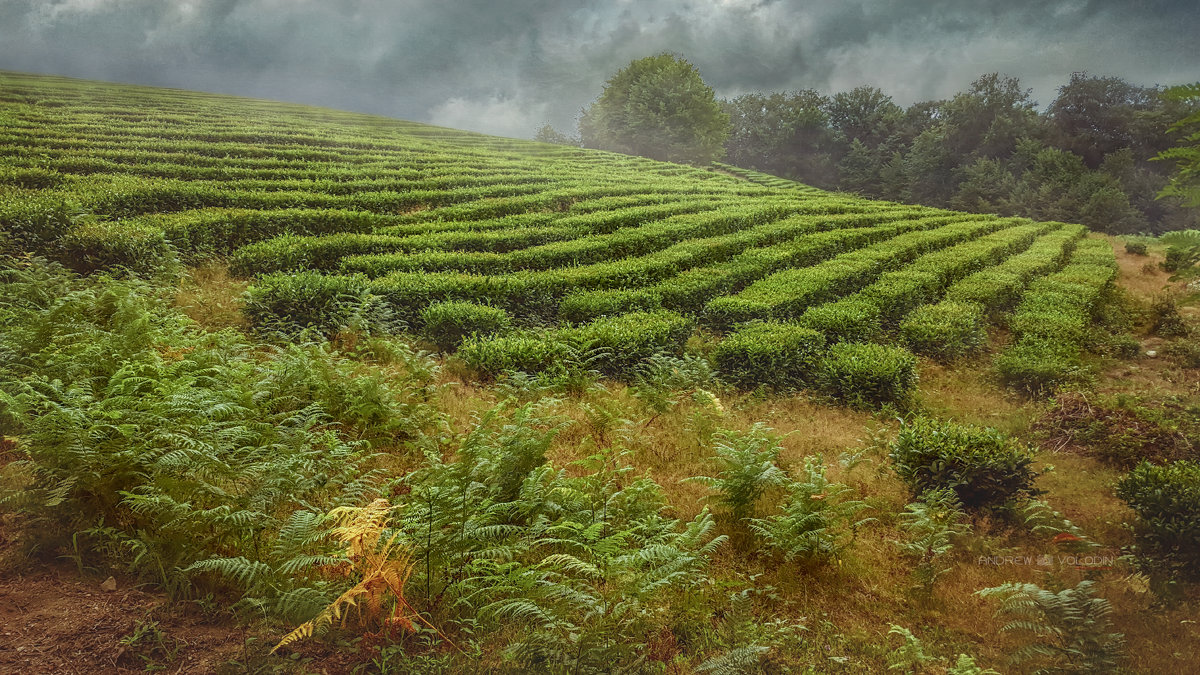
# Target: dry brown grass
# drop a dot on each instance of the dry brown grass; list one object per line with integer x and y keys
{"x": 212, "y": 297}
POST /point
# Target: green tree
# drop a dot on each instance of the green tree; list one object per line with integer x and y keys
{"x": 1096, "y": 116}
{"x": 859, "y": 169}
{"x": 657, "y": 107}
{"x": 548, "y": 134}
{"x": 786, "y": 134}
{"x": 1185, "y": 184}
{"x": 865, "y": 114}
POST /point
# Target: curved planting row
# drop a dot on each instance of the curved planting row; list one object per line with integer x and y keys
{"x": 528, "y": 256}
{"x": 788, "y": 294}
{"x": 1051, "y": 324}
{"x": 956, "y": 325}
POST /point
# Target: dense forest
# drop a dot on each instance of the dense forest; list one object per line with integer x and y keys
{"x": 1088, "y": 157}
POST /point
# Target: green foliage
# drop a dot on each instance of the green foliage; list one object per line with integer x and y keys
{"x": 1165, "y": 320}
{"x": 935, "y": 522}
{"x": 629, "y": 339}
{"x": 1044, "y": 520}
{"x": 985, "y": 468}
{"x": 661, "y": 380}
{"x": 817, "y": 519}
{"x": 548, "y": 134}
{"x": 292, "y": 303}
{"x": 591, "y": 305}
{"x": 868, "y": 375}
{"x": 1185, "y": 184}
{"x": 945, "y": 331}
{"x": 1185, "y": 351}
{"x": 1063, "y": 632}
{"x": 910, "y": 656}
{"x": 1183, "y": 251}
{"x": 657, "y": 107}
{"x": 1039, "y": 367}
{"x": 747, "y": 469}
{"x": 782, "y": 356}
{"x": 447, "y": 324}
{"x": 96, "y": 245}
{"x": 1052, "y": 322}
{"x": 528, "y": 352}
{"x": 178, "y": 452}
{"x": 848, "y": 320}
{"x": 1137, "y": 248}
{"x": 1166, "y": 500}
{"x": 36, "y": 224}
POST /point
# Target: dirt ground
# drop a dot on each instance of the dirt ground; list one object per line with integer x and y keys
{"x": 54, "y": 621}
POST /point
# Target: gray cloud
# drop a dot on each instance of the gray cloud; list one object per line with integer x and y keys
{"x": 506, "y": 67}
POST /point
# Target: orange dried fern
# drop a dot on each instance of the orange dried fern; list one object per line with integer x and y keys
{"x": 383, "y": 567}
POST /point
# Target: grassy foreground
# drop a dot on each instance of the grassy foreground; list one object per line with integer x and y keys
{"x": 258, "y": 415}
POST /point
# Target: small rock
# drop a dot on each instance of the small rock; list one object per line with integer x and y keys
{"x": 109, "y": 585}
{"x": 1151, "y": 353}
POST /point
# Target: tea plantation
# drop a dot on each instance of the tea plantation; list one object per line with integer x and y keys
{"x": 527, "y": 253}
{"x": 330, "y": 392}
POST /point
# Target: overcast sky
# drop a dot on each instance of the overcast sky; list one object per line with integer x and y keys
{"x": 506, "y": 67}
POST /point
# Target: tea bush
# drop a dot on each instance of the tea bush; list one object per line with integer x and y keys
{"x": 848, "y": 320}
{"x": 1166, "y": 499}
{"x": 984, "y": 467}
{"x": 782, "y": 356}
{"x": 629, "y": 339}
{"x": 97, "y": 245}
{"x": 868, "y": 375}
{"x": 945, "y": 331}
{"x": 447, "y": 324}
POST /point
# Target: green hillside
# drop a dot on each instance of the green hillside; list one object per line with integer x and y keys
{"x": 398, "y": 217}
{"x": 502, "y": 405}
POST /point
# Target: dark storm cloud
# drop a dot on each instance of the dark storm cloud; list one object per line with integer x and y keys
{"x": 505, "y": 67}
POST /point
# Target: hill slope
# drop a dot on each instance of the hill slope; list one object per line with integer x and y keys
{"x": 399, "y": 216}
{"x": 589, "y": 481}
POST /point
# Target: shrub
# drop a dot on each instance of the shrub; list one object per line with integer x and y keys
{"x": 91, "y": 246}
{"x": 447, "y": 324}
{"x": 631, "y": 338}
{"x": 30, "y": 178}
{"x": 1183, "y": 250}
{"x": 1038, "y": 367}
{"x": 993, "y": 288}
{"x": 847, "y": 320}
{"x": 293, "y": 302}
{"x": 527, "y": 352}
{"x": 591, "y": 305}
{"x": 1165, "y": 320}
{"x": 37, "y": 224}
{"x": 984, "y": 467}
{"x": 1166, "y": 499}
{"x": 783, "y": 356}
{"x": 945, "y": 331}
{"x": 1186, "y": 352}
{"x": 1119, "y": 345}
{"x": 1136, "y": 248}
{"x": 868, "y": 374}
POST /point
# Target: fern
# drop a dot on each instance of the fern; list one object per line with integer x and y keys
{"x": 1044, "y": 520}
{"x": 817, "y": 520}
{"x": 934, "y": 523}
{"x": 1064, "y": 632}
{"x": 382, "y": 566}
{"x": 747, "y": 469}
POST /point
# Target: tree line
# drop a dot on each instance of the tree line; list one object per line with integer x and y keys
{"x": 1092, "y": 156}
